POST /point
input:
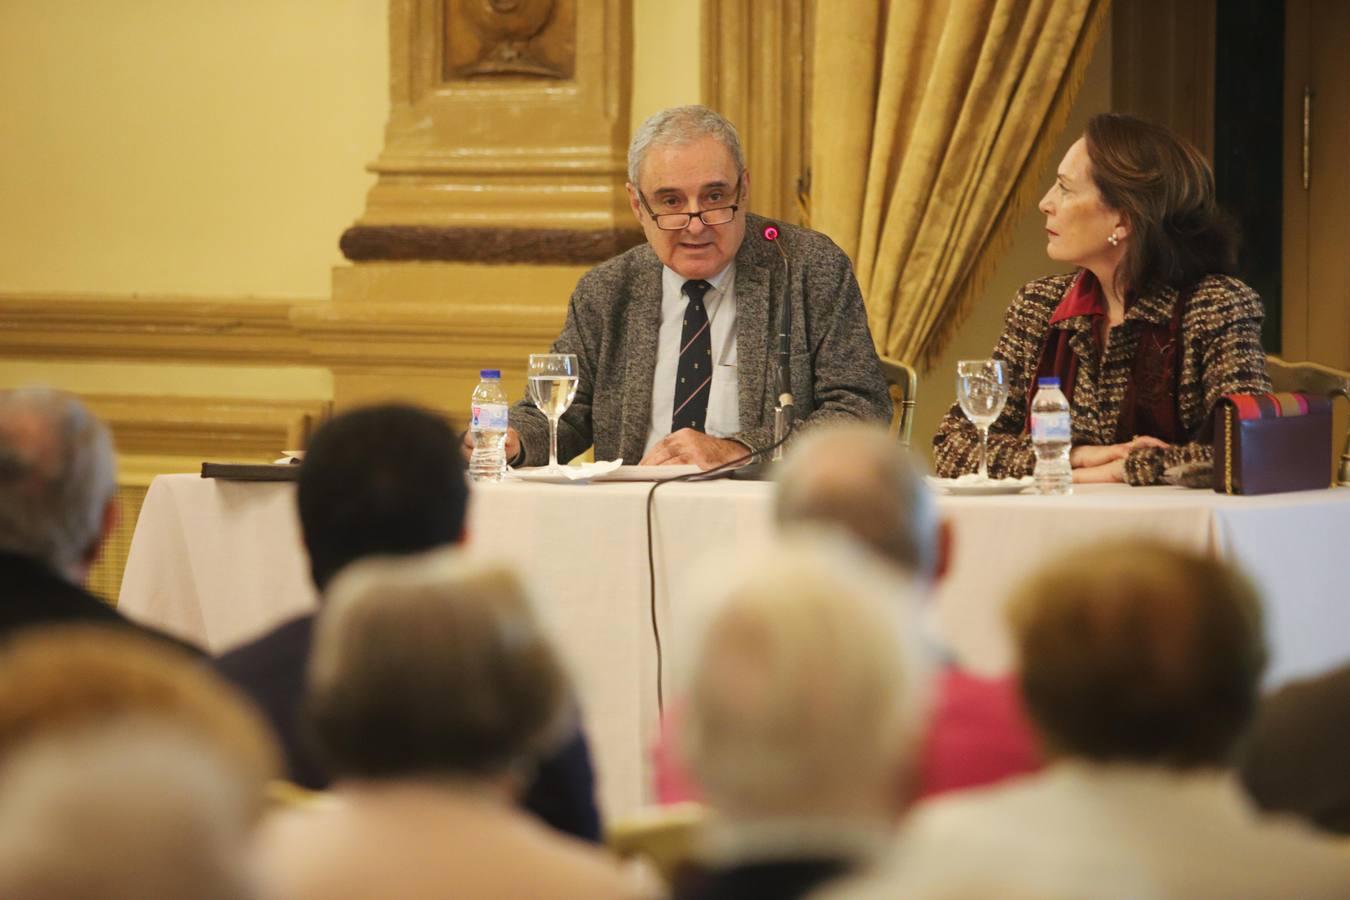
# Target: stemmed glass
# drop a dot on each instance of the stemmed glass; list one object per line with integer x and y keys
{"x": 981, "y": 389}
{"x": 553, "y": 385}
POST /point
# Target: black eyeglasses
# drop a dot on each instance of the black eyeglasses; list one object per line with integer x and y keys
{"x": 718, "y": 215}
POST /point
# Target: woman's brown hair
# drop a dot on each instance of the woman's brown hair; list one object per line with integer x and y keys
{"x": 1165, "y": 189}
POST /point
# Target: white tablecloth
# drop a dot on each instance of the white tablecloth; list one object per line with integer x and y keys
{"x": 220, "y": 562}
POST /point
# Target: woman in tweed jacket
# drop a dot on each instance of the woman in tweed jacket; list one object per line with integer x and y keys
{"x": 1145, "y": 335}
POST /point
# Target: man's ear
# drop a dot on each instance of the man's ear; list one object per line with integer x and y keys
{"x": 634, "y": 203}
{"x": 745, "y": 189}
{"x": 945, "y": 539}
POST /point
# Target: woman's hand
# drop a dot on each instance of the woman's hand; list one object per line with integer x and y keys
{"x": 1105, "y": 464}
{"x": 1092, "y": 456}
{"x": 1106, "y": 473}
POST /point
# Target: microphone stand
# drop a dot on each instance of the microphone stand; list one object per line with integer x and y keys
{"x": 784, "y": 413}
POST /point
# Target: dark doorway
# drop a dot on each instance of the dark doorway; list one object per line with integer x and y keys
{"x": 1249, "y": 143}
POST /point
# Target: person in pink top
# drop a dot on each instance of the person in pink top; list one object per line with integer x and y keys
{"x": 857, "y": 478}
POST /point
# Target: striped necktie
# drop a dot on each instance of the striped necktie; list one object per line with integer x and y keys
{"x": 693, "y": 378}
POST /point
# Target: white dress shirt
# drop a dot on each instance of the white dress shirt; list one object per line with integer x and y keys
{"x": 724, "y": 409}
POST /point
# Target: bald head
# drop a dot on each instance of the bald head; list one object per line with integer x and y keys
{"x": 857, "y": 477}
{"x": 1133, "y": 650}
{"x": 58, "y": 474}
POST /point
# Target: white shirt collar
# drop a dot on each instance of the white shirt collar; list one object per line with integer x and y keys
{"x": 673, "y": 281}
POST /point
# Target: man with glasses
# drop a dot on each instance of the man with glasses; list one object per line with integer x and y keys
{"x": 675, "y": 338}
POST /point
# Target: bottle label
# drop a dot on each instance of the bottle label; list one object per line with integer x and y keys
{"x": 1051, "y": 426}
{"x": 489, "y": 417}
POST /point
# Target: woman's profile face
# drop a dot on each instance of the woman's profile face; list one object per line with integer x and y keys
{"x": 1078, "y": 224}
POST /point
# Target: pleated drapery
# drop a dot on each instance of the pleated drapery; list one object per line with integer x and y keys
{"x": 931, "y": 121}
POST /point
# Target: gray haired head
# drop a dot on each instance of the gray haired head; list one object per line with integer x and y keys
{"x": 857, "y": 477}
{"x": 682, "y": 125}
{"x": 58, "y": 472}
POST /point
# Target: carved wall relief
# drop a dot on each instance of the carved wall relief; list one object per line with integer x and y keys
{"x": 516, "y": 38}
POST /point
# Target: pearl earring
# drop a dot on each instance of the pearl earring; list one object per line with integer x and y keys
{"x": 1113, "y": 240}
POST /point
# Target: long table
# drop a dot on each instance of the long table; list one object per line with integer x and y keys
{"x": 220, "y": 562}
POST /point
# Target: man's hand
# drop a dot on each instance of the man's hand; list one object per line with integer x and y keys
{"x": 512, "y": 444}
{"x": 689, "y": 447}
{"x": 1091, "y": 456}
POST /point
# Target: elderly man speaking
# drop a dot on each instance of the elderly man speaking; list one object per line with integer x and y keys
{"x": 673, "y": 338}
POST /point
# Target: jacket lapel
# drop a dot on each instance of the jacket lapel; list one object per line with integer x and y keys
{"x": 752, "y": 337}
{"x": 642, "y": 327}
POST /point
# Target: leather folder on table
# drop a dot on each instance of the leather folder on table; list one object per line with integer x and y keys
{"x": 251, "y": 471}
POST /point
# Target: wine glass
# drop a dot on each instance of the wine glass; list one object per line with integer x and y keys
{"x": 982, "y": 389}
{"x": 553, "y": 385}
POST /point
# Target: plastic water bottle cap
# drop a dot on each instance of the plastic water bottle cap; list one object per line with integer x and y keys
{"x": 1047, "y": 382}
{"x": 497, "y": 373}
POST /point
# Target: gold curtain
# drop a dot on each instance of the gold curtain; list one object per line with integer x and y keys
{"x": 931, "y": 123}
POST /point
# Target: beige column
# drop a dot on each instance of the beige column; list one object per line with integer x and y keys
{"x": 500, "y": 182}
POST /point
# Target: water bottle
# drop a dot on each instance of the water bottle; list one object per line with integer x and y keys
{"x": 488, "y": 461}
{"x": 1052, "y": 436}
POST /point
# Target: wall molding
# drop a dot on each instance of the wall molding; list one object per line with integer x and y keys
{"x": 162, "y": 328}
{"x": 757, "y": 73}
{"x": 197, "y": 429}
{"x": 530, "y": 246}
{"x": 441, "y": 336}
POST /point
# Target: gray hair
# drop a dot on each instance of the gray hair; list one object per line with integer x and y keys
{"x": 858, "y": 478}
{"x": 434, "y": 664}
{"x": 123, "y": 811}
{"x": 58, "y": 472}
{"x": 808, "y": 684}
{"x": 682, "y": 125}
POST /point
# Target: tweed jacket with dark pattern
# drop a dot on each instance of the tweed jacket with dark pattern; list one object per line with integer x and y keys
{"x": 1220, "y": 353}
{"x": 613, "y": 321}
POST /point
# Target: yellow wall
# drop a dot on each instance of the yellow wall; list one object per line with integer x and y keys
{"x": 168, "y": 146}
{"x": 667, "y": 38}
{"x": 215, "y": 149}
{"x": 1025, "y": 260}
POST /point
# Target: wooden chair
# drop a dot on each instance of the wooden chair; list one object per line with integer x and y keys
{"x": 662, "y": 836}
{"x": 904, "y": 385}
{"x": 1314, "y": 378}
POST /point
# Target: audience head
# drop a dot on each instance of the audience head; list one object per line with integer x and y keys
{"x": 807, "y": 685}
{"x": 433, "y": 665}
{"x": 74, "y": 677}
{"x": 58, "y": 477}
{"x": 1163, "y": 187}
{"x": 1294, "y": 758}
{"x": 857, "y": 477}
{"x": 127, "y": 811}
{"x": 1135, "y": 651}
{"x": 381, "y": 480}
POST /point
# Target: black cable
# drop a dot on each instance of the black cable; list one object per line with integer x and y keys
{"x": 709, "y": 475}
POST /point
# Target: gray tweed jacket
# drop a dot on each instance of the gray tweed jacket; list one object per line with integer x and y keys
{"x": 613, "y": 321}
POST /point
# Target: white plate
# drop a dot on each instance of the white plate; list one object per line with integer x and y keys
{"x": 647, "y": 473}
{"x": 975, "y": 488}
{"x": 565, "y": 474}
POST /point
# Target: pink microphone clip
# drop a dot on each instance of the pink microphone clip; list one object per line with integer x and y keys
{"x": 770, "y": 233}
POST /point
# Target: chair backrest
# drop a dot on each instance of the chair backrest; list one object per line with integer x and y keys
{"x": 904, "y": 385}
{"x": 663, "y": 836}
{"x": 1314, "y": 378}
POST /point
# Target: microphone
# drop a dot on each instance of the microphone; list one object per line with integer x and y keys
{"x": 783, "y": 414}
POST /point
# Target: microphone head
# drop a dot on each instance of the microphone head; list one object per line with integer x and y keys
{"x": 770, "y": 233}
